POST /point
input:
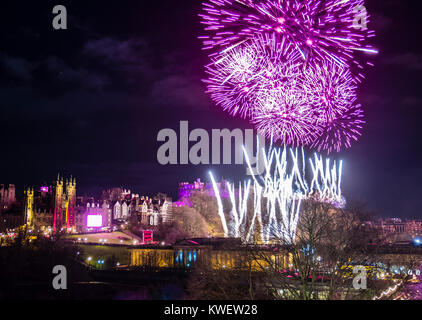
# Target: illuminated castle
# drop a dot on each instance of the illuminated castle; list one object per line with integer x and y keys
{"x": 29, "y": 207}
{"x": 64, "y": 205}
{"x": 186, "y": 190}
{"x": 57, "y": 202}
{"x": 57, "y": 208}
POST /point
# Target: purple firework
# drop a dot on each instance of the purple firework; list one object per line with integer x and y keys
{"x": 265, "y": 81}
{"x": 240, "y": 75}
{"x": 319, "y": 30}
{"x": 286, "y": 115}
{"x": 341, "y": 131}
{"x": 316, "y": 109}
{"x": 332, "y": 89}
{"x": 289, "y": 66}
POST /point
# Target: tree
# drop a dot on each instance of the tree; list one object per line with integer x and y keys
{"x": 318, "y": 263}
{"x": 237, "y": 282}
{"x": 207, "y": 207}
{"x": 190, "y": 222}
{"x": 170, "y": 232}
{"x": 329, "y": 242}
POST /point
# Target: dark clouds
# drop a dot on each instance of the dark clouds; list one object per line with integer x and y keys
{"x": 408, "y": 60}
{"x": 17, "y": 68}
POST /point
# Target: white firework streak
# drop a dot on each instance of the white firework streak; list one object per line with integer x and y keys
{"x": 281, "y": 188}
{"x": 239, "y": 214}
{"x": 220, "y": 206}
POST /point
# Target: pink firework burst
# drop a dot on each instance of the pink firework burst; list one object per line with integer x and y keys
{"x": 286, "y": 115}
{"x": 341, "y": 131}
{"x": 289, "y": 66}
{"x": 319, "y": 30}
{"x": 332, "y": 89}
{"x": 240, "y": 75}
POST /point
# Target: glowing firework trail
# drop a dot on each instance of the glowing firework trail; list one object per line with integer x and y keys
{"x": 220, "y": 206}
{"x": 326, "y": 182}
{"x": 239, "y": 212}
{"x": 278, "y": 195}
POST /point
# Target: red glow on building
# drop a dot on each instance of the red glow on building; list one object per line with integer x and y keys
{"x": 148, "y": 236}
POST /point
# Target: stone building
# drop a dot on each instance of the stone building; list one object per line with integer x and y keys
{"x": 93, "y": 216}
{"x": 58, "y": 200}
{"x": 7, "y": 196}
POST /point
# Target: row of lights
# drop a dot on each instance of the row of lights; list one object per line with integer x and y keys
{"x": 100, "y": 261}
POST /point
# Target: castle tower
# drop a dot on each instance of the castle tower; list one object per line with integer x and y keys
{"x": 58, "y": 205}
{"x": 70, "y": 202}
{"x": 29, "y": 207}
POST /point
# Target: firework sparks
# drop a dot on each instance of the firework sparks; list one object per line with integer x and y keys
{"x": 286, "y": 115}
{"x": 289, "y": 66}
{"x": 330, "y": 88}
{"x": 341, "y": 130}
{"x": 263, "y": 81}
{"x": 318, "y": 30}
{"x": 242, "y": 74}
{"x": 277, "y": 195}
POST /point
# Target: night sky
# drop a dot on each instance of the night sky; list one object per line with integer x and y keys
{"x": 89, "y": 101}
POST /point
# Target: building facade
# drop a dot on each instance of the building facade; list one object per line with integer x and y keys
{"x": 214, "y": 253}
{"x": 64, "y": 205}
{"x": 7, "y": 196}
{"x": 187, "y": 190}
{"x": 93, "y": 216}
{"x": 58, "y": 208}
{"x": 51, "y": 206}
